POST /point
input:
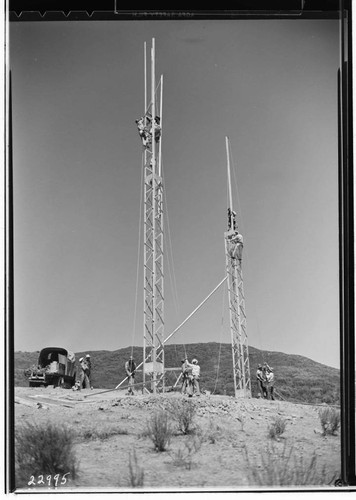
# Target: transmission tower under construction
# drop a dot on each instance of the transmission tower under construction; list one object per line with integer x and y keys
{"x": 150, "y": 130}
{"x": 233, "y": 256}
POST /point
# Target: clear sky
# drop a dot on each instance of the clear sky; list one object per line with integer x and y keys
{"x": 271, "y": 86}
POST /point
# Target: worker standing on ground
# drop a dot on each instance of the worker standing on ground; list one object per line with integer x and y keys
{"x": 185, "y": 376}
{"x": 88, "y": 362}
{"x": 83, "y": 376}
{"x": 269, "y": 374}
{"x": 130, "y": 368}
{"x": 261, "y": 381}
{"x": 196, "y": 377}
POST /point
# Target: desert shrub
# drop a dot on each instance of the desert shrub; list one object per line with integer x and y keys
{"x": 43, "y": 450}
{"x": 183, "y": 412}
{"x": 275, "y": 468}
{"x": 242, "y": 419}
{"x": 136, "y": 472}
{"x": 329, "y": 420}
{"x": 159, "y": 430}
{"x": 277, "y": 427}
{"x": 328, "y": 399}
{"x": 103, "y": 434}
{"x": 145, "y": 432}
{"x": 183, "y": 456}
{"x": 212, "y": 433}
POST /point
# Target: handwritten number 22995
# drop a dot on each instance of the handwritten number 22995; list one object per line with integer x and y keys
{"x": 48, "y": 479}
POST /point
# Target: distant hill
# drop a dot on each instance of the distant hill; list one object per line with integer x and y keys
{"x": 298, "y": 378}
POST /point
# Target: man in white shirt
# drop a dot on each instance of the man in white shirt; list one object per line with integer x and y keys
{"x": 196, "y": 376}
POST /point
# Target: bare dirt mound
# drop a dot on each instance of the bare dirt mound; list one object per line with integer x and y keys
{"x": 227, "y": 448}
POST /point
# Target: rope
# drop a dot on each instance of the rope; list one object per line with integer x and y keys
{"x": 138, "y": 259}
{"x": 170, "y": 256}
{"x": 295, "y": 401}
{"x": 171, "y": 271}
{"x": 169, "y": 246}
{"x": 196, "y": 309}
{"x": 179, "y": 326}
{"x": 247, "y": 259}
{"x": 221, "y": 332}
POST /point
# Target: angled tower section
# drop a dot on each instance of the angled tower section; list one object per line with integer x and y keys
{"x": 233, "y": 256}
{"x": 150, "y": 131}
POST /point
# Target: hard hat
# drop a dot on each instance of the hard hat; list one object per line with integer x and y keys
{"x": 87, "y": 356}
{"x": 195, "y": 361}
{"x": 81, "y": 359}
{"x": 259, "y": 366}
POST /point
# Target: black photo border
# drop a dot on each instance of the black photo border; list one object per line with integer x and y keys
{"x": 95, "y": 10}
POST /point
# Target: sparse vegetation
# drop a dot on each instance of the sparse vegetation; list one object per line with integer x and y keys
{"x": 136, "y": 472}
{"x": 212, "y": 433}
{"x": 211, "y": 452}
{"x": 277, "y": 427}
{"x": 241, "y": 418}
{"x": 183, "y": 456}
{"x": 102, "y": 434}
{"x": 329, "y": 420}
{"x": 183, "y": 412}
{"x": 159, "y": 430}
{"x": 42, "y": 450}
{"x": 275, "y": 467}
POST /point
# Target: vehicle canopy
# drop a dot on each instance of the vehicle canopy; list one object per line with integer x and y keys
{"x": 57, "y": 359}
{"x": 49, "y": 354}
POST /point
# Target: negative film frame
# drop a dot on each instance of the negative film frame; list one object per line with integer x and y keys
{"x": 95, "y": 10}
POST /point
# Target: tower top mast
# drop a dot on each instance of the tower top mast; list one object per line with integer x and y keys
{"x": 228, "y": 171}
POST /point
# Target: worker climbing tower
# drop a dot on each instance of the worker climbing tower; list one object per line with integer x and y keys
{"x": 233, "y": 255}
{"x": 150, "y": 131}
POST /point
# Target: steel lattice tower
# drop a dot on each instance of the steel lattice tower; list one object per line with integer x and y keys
{"x": 233, "y": 254}
{"x": 153, "y": 332}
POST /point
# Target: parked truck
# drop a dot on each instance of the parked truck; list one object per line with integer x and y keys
{"x": 56, "y": 366}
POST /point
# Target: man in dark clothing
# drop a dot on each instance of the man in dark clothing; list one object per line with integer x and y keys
{"x": 157, "y": 128}
{"x": 130, "y": 368}
{"x": 83, "y": 374}
{"x": 88, "y": 362}
{"x": 185, "y": 377}
{"x": 269, "y": 376}
{"x": 261, "y": 381}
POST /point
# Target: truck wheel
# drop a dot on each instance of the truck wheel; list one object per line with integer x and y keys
{"x": 56, "y": 382}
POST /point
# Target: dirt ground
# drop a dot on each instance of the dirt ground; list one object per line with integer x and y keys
{"x": 111, "y": 425}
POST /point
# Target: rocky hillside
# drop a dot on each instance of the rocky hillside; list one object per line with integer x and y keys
{"x": 298, "y": 378}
